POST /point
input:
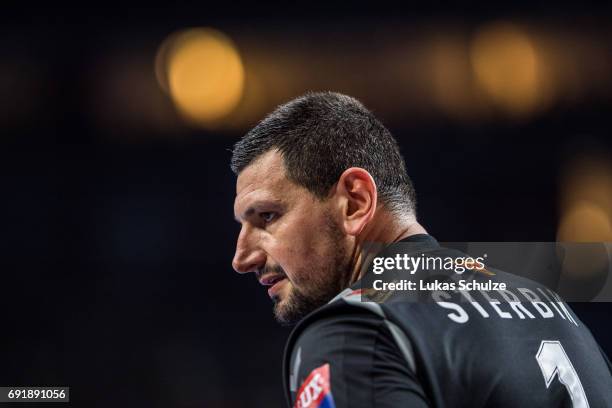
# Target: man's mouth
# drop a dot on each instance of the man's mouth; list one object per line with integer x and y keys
{"x": 274, "y": 282}
{"x": 276, "y": 285}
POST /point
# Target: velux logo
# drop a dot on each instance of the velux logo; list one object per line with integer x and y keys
{"x": 315, "y": 392}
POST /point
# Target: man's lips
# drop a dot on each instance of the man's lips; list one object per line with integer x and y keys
{"x": 276, "y": 286}
{"x": 271, "y": 279}
{"x": 274, "y": 282}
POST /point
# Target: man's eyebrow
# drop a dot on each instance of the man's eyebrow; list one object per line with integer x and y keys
{"x": 246, "y": 214}
{"x": 273, "y": 204}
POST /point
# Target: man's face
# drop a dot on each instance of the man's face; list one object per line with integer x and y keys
{"x": 289, "y": 239}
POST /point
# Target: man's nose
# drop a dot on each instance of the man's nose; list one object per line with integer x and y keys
{"x": 248, "y": 257}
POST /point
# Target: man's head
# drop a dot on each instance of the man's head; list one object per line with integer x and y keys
{"x": 311, "y": 177}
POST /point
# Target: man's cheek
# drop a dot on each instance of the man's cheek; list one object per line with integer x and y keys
{"x": 286, "y": 289}
{"x": 296, "y": 279}
{"x": 290, "y": 280}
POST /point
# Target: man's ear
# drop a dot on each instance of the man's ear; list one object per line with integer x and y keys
{"x": 357, "y": 197}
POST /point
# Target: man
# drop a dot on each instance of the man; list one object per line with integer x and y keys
{"x": 318, "y": 179}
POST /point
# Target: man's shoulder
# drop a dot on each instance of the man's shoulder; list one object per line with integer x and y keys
{"x": 346, "y": 309}
{"x": 348, "y": 336}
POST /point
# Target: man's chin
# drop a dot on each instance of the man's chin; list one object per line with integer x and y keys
{"x": 293, "y": 307}
{"x": 283, "y": 312}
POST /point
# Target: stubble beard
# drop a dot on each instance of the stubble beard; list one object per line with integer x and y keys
{"x": 331, "y": 281}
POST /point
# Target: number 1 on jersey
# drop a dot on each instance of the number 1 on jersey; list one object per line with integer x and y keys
{"x": 553, "y": 360}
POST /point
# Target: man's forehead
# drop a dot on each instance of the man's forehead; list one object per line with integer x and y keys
{"x": 266, "y": 170}
{"x": 263, "y": 179}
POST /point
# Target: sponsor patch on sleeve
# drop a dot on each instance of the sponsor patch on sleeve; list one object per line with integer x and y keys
{"x": 315, "y": 392}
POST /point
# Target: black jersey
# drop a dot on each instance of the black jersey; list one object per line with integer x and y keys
{"x": 522, "y": 347}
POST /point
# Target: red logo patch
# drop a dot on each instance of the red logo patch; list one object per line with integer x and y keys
{"x": 316, "y": 390}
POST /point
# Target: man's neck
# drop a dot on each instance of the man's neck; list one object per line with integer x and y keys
{"x": 385, "y": 228}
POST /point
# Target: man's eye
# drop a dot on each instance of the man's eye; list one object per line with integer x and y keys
{"x": 267, "y": 216}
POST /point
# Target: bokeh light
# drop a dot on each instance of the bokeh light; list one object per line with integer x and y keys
{"x": 586, "y": 204}
{"x": 202, "y": 71}
{"x": 585, "y": 222}
{"x": 586, "y": 217}
{"x": 507, "y": 68}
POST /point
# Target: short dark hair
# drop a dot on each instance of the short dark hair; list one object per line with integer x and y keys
{"x": 320, "y": 135}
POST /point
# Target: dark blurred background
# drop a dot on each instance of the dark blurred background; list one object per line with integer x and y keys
{"x": 116, "y": 129}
